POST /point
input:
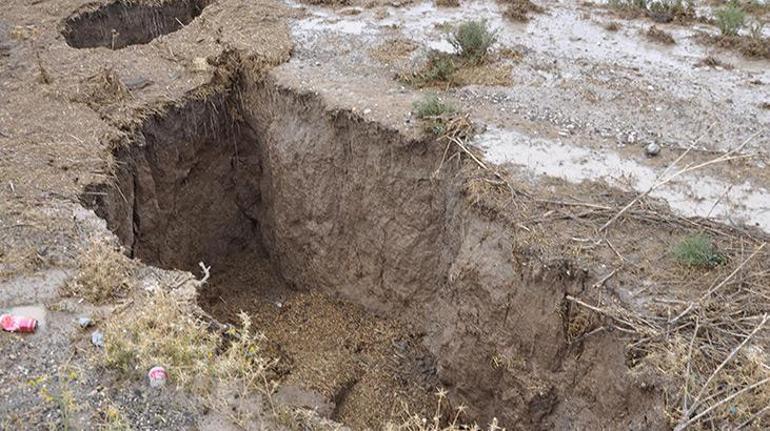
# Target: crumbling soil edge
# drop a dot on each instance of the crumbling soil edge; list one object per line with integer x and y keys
{"x": 351, "y": 208}
{"x": 122, "y": 23}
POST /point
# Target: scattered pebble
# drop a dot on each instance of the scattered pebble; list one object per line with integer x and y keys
{"x": 97, "y": 339}
{"x": 367, "y": 111}
{"x": 652, "y": 149}
{"x": 85, "y": 322}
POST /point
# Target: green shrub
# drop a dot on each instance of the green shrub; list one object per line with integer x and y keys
{"x": 730, "y": 19}
{"x": 439, "y": 68}
{"x": 698, "y": 251}
{"x": 433, "y": 112}
{"x": 473, "y": 39}
{"x": 432, "y": 106}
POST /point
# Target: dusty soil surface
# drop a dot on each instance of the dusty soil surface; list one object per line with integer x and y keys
{"x": 272, "y": 141}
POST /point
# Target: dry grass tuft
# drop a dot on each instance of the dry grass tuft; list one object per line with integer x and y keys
{"x": 438, "y": 71}
{"x": 165, "y": 329}
{"x": 657, "y": 35}
{"x": 612, "y": 26}
{"x": 103, "y": 88}
{"x": 484, "y": 74}
{"x": 104, "y": 273}
{"x": 662, "y": 11}
{"x": 393, "y": 50}
{"x": 332, "y": 3}
{"x": 160, "y": 330}
{"x": 750, "y": 46}
{"x": 519, "y": 10}
{"x": 439, "y": 421}
{"x": 711, "y": 61}
{"x": 447, "y": 3}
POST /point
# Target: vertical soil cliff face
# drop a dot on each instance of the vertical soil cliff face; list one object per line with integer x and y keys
{"x": 348, "y": 208}
{"x": 121, "y": 23}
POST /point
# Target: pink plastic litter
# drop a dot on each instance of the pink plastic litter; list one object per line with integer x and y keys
{"x": 12, "y": 323}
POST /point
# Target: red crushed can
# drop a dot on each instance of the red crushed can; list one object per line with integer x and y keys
{"x": 12, "y": 323}
{"x": 157, "y": 376}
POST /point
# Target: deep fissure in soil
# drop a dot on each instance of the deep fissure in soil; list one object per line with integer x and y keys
{"x": 296, "y": 206}
{"x": 122, "y": 23}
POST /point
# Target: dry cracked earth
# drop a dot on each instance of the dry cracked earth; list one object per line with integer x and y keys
{"x": 266, "y": 158}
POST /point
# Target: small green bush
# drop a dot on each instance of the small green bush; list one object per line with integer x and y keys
{"x": 432, "y": 106}
{"x": 473, "y": 39}
{"x": 730, "y": 19}
{"x": 440, "y": 68}
{"x": 698, "y": 251}
{"x": 432, "y": 110}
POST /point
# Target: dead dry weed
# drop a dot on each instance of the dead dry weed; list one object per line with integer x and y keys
{"x": 228, "y": 370}
{"x": 657, "y": 35}
{"x": 440, "y": 420}
{"x": 393, "y": 50}
{"x": 104, "y": 273}
{"x": 519, "y": 10}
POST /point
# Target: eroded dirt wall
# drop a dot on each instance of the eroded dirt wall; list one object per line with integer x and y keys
{"x": 346, "y": 207}
{"x": 122, "y": 23}
{"x": 352, "y": 209}
{"x": 182, "y": 179}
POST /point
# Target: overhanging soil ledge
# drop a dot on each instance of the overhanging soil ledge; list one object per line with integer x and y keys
{"x": 287, "y": 198}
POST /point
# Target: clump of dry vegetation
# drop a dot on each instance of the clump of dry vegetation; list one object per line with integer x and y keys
{"x": 472, "y": 64}
{"x": 519, "y": 10}
{"x": 709, "y": 346}
{"x": 439, "y": 421}
{"x": 438, "y": 70}
{"x": 754, "y": 44}
{"x": 657, "y": 35}
{"x": 393, "y": 50}
{"x": 333, "y": 3}
{"x": 167, "y": 329}
{"x": 104, "y": 273}
{"x": 612, "y": 26}
{"x": 711, "y": 61}
{"x": 447, "y": 3}
{"x": 662, "y": 11}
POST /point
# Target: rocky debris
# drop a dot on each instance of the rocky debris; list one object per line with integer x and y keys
{"x": 652, "y": 149}
{"x": 97, "y": 339}
{"x": 85, "y": 322}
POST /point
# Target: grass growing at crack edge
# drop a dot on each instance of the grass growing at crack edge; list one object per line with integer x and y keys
{"x": 434, "y": 113}
{"x": 104, "y": 273}
{"x": 698, "y": 251}
{"x": 473, "y": 40}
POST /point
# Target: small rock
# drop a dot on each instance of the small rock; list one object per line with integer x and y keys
{"x": 85, "y": 322}
{"x": 367, "y": 111}
{"x": 97, "y": 339}
{"x": 652, "y": 149}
